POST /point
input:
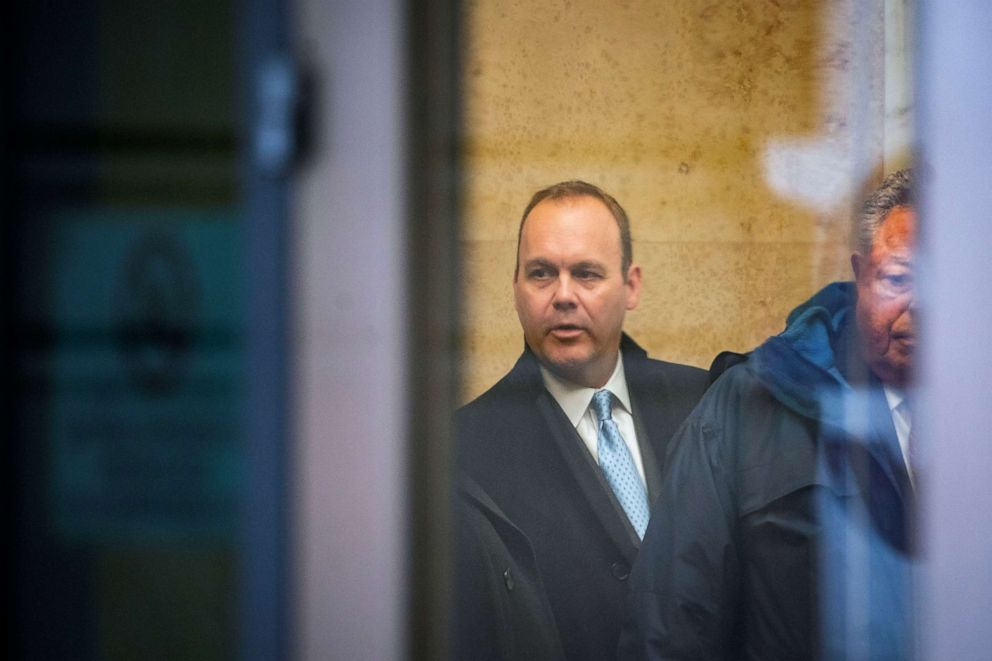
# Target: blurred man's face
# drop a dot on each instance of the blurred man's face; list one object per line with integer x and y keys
{"x": 570, "y": 292}
{"x": 885, "y": 306}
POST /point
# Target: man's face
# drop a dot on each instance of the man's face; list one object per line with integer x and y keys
{"x": 570, "y": 293}
{"x": 886, "y": 302}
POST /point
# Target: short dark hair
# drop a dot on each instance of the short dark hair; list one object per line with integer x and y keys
{"x": 896, "y": 190}
{"x": 575, "y": 188}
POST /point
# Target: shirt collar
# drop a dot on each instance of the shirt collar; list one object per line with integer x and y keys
{"x": 574, "y": 399}
{"x": 894, "y": 396}
{"x": 898, "y": 404}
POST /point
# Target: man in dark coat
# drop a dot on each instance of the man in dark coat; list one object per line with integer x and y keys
{"x": 569, "y": 444}
{"x": 784, "y": 526}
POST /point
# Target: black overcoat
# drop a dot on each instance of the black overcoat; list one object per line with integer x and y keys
{"x": 517, "y": 443}
{"x": 500, "y": 608}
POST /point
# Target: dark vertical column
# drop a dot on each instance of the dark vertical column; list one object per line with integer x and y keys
{"x": 9, "y": 461}
{"x": 51, "y": 580}
{"x": 267, "y": 153}
{"x": 434, "y": 95}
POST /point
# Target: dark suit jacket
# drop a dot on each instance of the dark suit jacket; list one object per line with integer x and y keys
{"x": 517, "y": 443}
{"x": 500, "y": 608}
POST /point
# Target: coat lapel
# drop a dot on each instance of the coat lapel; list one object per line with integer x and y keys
{"x": 885, "y": 443}
{"x": 589, "y": 479}
{"x": 472, "y": 491}
{"x": 866, "y": 443}
{"x": 888, "y": 481}
{"x": 652, "y": 464}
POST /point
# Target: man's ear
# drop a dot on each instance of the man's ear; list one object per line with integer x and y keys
{"x": 633, "y": 286}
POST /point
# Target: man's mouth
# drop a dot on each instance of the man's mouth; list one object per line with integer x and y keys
{"x": 906, "y": 339}
{"x": 565, "y": 331}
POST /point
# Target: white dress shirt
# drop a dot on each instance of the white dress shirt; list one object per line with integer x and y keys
{"x": 903, "y": 421}
{"x": 574, "y": 400}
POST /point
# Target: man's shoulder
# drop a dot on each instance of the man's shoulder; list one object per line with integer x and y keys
{"x": 638, "y": 366}
{"x": 498, "y": 435}
{"x": 740, "y": 413}
{"x": 664, "y": 378}
{"x": 733, "y": 388}
{"x": 516, "y": 389}
{"x": 509, "y": 387}
{"x": 677, "y": 372}
{"x": 724, "y": 404}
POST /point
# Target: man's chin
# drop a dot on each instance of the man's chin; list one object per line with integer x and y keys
{"x": 896, "y": 374}
{"x": 567, "y": 364}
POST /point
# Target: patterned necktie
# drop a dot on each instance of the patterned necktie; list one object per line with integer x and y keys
{"x": 618, "y": 465}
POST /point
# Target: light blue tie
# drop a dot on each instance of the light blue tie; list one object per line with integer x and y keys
{"x": 618, "y": 465}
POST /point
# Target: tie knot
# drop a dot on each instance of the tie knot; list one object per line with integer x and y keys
{"x": 602, "y": 404}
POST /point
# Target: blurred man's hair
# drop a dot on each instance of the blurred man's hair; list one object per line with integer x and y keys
{"x": 895, "y": 191}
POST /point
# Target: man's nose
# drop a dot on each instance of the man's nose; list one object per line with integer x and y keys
{"x": 564, "y": 293}
{"x": 911, "y": 294}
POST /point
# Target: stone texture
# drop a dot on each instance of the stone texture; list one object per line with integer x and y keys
{"x": 736, "y": 134}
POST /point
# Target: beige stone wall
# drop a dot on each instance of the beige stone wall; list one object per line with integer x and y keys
{"x": 736, "y": 135}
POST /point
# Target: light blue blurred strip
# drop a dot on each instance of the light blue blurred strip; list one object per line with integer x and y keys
{"x": 955, "y": 422}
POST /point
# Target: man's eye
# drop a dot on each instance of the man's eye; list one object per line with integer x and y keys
{"x": 539, "y": 274}
{"x": 586, "y": 275}
{"x": 897, "y": 282}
